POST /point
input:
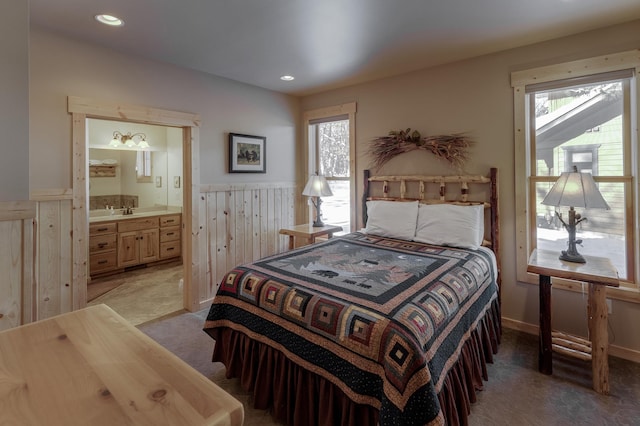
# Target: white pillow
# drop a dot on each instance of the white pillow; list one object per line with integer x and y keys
{"x": 395, "y": 219}
{"x": 450, "y": 225}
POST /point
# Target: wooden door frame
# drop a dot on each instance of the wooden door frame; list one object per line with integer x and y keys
{"x": 83, "y": 108}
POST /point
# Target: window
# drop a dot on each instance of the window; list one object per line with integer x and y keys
{"x": 329, "y": 156}
{"x": 585, "y": 122}
{"x": 330, "y": 153}
{"x": 143, "y": 166}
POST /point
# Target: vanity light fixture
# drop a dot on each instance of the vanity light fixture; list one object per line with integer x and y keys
{"x": 128, "y": 140}
{"x": 110, "y": 20}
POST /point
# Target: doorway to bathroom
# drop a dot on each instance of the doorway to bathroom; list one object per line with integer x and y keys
{"x": 135, "y": 176}
{"x": 186, "y": 126}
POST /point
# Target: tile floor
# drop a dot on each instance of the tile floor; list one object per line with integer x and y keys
{"x": 143, "y": 294}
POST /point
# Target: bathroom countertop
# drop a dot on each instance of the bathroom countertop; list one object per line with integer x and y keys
{"x": 136, "y": 215}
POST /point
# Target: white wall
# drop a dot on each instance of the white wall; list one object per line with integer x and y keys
{"x": 475, "y": 96}
{"x": 14, "y": 100}
{"x": 174, "y": 154}
{"x": 62, "y": 67}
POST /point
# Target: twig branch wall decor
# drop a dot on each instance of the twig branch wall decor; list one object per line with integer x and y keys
{"x": 452, "y": 148}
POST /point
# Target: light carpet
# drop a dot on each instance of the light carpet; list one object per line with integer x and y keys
{"x": 516, "y": 393}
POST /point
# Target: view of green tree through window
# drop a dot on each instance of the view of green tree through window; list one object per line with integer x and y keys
{"x": 583, "y": 124}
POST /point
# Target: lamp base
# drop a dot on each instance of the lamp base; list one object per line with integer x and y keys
{"x": 571, "y": 254}
{"x": 572, "y": 257}
{"x": 318, "y": 222}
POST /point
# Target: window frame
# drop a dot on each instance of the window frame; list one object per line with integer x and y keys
{"x": 525, "y": 219}
{"x": 580, "y": 149}
{"x": 347, "y": 110}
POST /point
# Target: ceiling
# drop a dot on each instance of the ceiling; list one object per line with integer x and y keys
{"x": 325, "y": 44}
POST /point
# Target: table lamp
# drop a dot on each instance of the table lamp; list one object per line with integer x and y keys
{"x": 574, "y": 189}
{"x": 317, "y": 187}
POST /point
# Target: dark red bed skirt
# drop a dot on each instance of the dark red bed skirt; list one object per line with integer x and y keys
{"x": 296, "y": 396}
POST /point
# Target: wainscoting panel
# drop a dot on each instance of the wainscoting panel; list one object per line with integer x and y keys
{"x": 241, "y": 223}
{"x": 16, "y": 263}
{"x": 237, "y": 224}
{"x": 54, "y": 258}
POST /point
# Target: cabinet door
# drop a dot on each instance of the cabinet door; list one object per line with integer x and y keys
{"x": 102, "y": 262}
{"x": 170, "y": 234}
{"x": 149, "y": 242}
{"x": 128, "y": 249}
{"x": 100, "y": 243}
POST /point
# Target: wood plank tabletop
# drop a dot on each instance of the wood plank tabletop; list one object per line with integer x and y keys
{"x": 597, "y": 270}
{"x": 307, "y": 230}
{"x": 91, "y": 367}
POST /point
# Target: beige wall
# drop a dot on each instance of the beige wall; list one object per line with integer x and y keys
{"x": 14, "y": 100}
{"x": 475, "y": 96}
{"x": 61, "y": 67}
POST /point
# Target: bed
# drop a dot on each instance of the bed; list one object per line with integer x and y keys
{"x": 393, "y": 324}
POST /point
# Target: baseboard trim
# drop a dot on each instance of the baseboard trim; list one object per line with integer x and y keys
{"x": 205, "y": 304}
{"x": 614, "y": 350}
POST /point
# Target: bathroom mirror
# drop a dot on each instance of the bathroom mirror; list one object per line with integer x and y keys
{"x": 130, "y": 177}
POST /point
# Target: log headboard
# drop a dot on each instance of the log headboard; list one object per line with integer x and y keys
{"x": 454, "y": 189}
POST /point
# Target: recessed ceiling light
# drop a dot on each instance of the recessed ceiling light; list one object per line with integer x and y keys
{"x": 109, "y": 20}
{"x": 287, "y": 78}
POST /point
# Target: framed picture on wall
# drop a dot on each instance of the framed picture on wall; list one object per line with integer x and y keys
{"x": 247, "y": 154}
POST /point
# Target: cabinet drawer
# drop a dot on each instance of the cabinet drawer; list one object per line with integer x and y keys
{"x": 169, "y": 249}
{"x": 170, "y": 220}
{"x": 103, "y": 262}
{"x": 102, "y": 228}
{"x": 99, "y": 243}
{"x": 170, "y": 234}
{"x": 137, "y": 224}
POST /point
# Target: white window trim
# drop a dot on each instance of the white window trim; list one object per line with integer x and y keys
{"x": 578, "y": 68}
{"x": 348, "y": 109}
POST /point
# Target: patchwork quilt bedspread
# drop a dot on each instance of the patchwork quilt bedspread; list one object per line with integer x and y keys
{"x": 382, "y": 319}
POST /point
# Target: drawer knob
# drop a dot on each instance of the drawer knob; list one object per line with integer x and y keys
{"x": 102, "y": 262}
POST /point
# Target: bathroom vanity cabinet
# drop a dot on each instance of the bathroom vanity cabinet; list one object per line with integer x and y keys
{"x": 116, "y": 244}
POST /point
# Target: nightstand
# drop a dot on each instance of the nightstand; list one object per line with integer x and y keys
{"x": 598, "y": 272}
{"x": 309, "y": 233}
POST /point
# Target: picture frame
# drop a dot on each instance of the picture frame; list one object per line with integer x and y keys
{"x": 247, "y": 153}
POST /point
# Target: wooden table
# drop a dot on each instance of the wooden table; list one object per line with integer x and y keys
{"x": 91, "y": 367}
{"x": 598, "y": 272}
{"x": 309, "y": 233}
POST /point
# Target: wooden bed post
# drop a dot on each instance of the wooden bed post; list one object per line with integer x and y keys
{"x": 495, "y": 230}
{"x": 365, "y": 195}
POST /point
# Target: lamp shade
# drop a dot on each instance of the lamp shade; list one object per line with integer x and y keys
{"x": 317, "y": 186}
{"x": 575, "y": 189}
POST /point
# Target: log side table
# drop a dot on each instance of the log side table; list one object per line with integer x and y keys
{"x": 598, "y": 272}
{"x": 308, "y": 233}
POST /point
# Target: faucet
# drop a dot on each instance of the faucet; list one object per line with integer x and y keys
{"x": 127, "y": 210}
